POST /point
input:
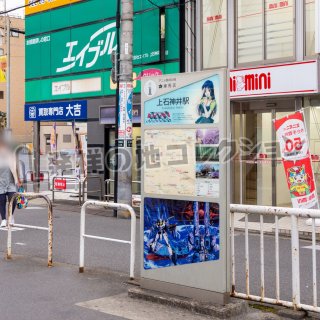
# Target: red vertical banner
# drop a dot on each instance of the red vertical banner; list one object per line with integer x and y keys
{"x": 296, "y": 158}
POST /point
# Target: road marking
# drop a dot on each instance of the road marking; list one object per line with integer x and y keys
{"x": 13, "y": 229}
{"x": 34, "y": 208}
{"x": 310, "y": 248}
{"x": 20, "y": 244}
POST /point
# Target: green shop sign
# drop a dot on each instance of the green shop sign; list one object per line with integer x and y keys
{"x": 88, "y": 48}
{"x": 46, "y": 89}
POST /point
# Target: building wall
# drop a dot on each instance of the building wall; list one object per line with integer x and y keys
{"x": 22, "y": 131}
{"x": 255, "y": 32}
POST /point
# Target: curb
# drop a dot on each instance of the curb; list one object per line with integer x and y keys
{"x": 233, "y": 309}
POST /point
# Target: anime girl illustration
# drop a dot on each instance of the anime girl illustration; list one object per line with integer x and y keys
{"x": 207, "y": 107}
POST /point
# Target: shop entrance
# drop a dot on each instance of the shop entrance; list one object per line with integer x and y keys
{"x": 258, "y": 175}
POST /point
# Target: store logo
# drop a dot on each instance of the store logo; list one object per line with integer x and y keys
{"x": 101, "y": 43}
{"x": 250, "y": 82}
{"x": 32, "y": 112}
{"x": 150, "y": 88}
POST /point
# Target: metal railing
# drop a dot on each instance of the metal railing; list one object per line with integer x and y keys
{"x": 83, "y": 235}
{"x": 31, "y": 196}
{"x": 76, "y": 180}
{"x": 109, "y": 195}
{"x": 31, "y": 174}
{"x": 276, "y": 212}
{"x": 66, "y": 170}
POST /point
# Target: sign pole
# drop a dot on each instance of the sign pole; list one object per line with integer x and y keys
{"x": 117, "y": 61}
{"x": 36, "y": 156}
{"x": 124, "y": 142}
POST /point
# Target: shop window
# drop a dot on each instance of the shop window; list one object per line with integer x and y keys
{"x": 265, "y": 30}
{"x": 309, "y": 27}
{"x": 214, "y": 34}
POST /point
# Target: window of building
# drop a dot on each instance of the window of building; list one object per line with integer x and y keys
{"x": 214, "y": 34}
{"x": 265, "y": 30}
{"x": 162, "y": 34}
{"x": 67, "y": 138}
{"x": 14, "y": 34}
{"x": 309, "y": 27}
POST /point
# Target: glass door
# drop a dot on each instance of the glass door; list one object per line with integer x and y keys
{"x": 258, "y": 174}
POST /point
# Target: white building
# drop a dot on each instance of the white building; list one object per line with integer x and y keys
{"x": 270, "y": 46}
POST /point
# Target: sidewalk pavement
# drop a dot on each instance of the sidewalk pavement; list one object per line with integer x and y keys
{"x": 33, "y": 291}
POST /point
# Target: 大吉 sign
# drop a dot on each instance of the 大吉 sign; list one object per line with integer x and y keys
{"x": 56, "y": 111}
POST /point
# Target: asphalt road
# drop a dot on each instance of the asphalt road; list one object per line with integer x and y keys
{"x": 107, "y": 256}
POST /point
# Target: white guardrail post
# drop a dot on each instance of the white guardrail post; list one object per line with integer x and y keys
{"x": 276, "y": 212}
{"x": 83, "y": 235}
{"x": 31, "y": 196}
{"x": 295, "y": 253}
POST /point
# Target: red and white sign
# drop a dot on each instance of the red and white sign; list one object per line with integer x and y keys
{"x": 275, "y": 80}
{"x": 60, "y": 184}
{"x": 296, "y": 158}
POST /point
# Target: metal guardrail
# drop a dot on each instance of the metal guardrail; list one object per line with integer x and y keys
{"x": 70, "y": 179}
{"x": 276, "y": 212}
{"x": 66, "y": 170}
{"x": 82, "y": 183}
{"x": 109, "y": 195}
{"x": 31, "y": 196}
{"x": 30, "y": 172}
{"x": 83, "y": 234}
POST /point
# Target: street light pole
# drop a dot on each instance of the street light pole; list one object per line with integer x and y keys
{"x": 124, "y": 142}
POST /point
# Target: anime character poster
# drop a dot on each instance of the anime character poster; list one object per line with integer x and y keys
{"x": 195, "y": 103}
{"x": 178, "y": 232}
{"x": 296, "y": 158}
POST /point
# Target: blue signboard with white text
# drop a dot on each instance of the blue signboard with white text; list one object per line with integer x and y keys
{"x": 56, "y": 111}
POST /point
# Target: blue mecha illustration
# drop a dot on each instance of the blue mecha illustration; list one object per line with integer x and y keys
{"x": 180, "y": 232}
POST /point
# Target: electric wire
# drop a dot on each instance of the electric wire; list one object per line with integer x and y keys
{"x": 20, "y": 7}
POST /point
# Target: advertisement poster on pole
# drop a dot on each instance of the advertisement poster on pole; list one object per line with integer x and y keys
{"x": 296, "y": 158}
{"x": 122, "y": 110}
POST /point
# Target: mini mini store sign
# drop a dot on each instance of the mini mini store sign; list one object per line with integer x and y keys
{"x": 275, "y": 80}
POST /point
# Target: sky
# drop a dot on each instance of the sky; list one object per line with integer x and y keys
{"x": 13, "y": 4}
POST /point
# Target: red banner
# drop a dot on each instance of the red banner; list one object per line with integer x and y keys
{"x": 60, "y": 184}
{"x": 296, "y": 158}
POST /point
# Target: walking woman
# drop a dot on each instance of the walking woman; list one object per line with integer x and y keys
{"x": 9, "y": 181}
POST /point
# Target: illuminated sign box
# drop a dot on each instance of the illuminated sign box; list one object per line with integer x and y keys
{"x": 46, "y": 5}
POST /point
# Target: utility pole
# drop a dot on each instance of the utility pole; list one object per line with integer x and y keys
{"x": 8, "y": 49}
{"x": 124, "y": 142}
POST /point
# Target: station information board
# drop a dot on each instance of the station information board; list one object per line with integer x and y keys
{"x": 185, "y": 196}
